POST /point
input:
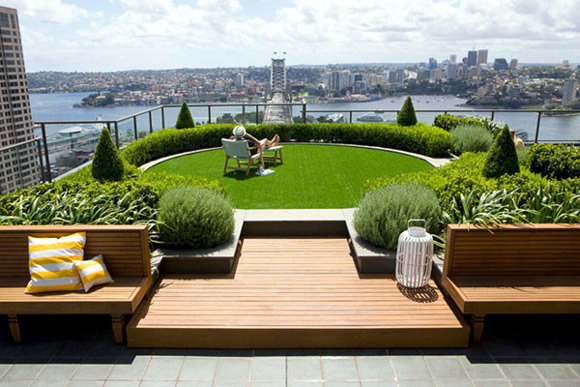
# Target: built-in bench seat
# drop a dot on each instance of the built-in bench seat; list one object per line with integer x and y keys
{"x": 512, "y": 269}
{"x": 126, "y": 253}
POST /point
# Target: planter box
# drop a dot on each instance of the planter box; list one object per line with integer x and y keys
{"x": 369, "y": 258}
{"x": 219, "y": 259}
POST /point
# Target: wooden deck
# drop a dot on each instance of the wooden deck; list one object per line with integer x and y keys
{"x": 293, "y": 293}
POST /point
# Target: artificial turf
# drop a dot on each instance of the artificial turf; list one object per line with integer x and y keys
{"x": 312, "y": 176}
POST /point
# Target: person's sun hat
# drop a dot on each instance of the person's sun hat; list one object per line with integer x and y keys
{"x": 239, "y": 131}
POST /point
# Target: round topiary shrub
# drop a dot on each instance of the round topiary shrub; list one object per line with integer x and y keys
{"x": 184, "y": 119}
{"x": 107, "y": 163}
{"x": 407, "y": 116}
{"x": 383, "y": 214}
{"x": 194, "y": 217}
{"x": 471, "y": 138}
{"x": 502, "y": 158}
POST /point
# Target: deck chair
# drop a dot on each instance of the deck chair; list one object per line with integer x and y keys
{"x": 239, "y": 151}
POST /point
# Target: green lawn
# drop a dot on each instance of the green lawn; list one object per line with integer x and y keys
{"x": 312, "y": 176}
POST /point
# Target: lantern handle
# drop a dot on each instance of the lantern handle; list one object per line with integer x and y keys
{"x": 417, "y": 221}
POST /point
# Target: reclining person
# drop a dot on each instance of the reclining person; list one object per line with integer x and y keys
{"x": 256, "y": 146}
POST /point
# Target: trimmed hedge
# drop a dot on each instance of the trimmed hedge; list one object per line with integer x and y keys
{"x": 502, "y": 157}
{"x": 420, "y": 138}
{"x": 555, "y": 161}
{"x": 184, "y": 118}
{"x": 407, "y": 116}
{"x": 107, "y": 164}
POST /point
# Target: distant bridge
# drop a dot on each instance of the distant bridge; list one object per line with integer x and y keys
{"x": 277, "y": 112}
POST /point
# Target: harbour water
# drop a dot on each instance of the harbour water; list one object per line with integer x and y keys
{"x": 59, "y": 107}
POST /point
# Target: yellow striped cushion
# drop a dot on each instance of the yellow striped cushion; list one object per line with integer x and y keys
{"x": 51, "y": 263}
{"x": 93, "y": 272}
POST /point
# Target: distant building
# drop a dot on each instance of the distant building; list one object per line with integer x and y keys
{"x": 333, "y": 80}
{"x": 239, "y": 80}
{"x": 500, "y": 64}
{"x": 464, "y": 60}
{"x": 453, "y": 58}
{"x": 514, "y": 64}
{"x": 432, "y": 63}
{"x": 436, "y": 74}
{"x": 452, "y": 70}
{"x": 472, "y": 58}
{"x": 18, "y": 152}
{"x": 345, "y": 80}
{"x": 481, "y": 57}
{"x": 569, "y": 90}
{"x": 565, "y": 63}
{"x": 396, "y": 77}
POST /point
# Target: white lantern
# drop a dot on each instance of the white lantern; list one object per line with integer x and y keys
{"x": 414, "y": 255}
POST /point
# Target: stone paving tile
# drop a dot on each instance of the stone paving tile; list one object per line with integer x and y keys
{"x": 268, "y": 368}
{"x": 129, "y": 368}
{"x": 16, "y": 383}
{"x": 23, "y": 371}
{"x": 4, "y": 369}
{"x": 305, "y": 384}
{"x": 378, "y": 383}
{"x": 268, "y": 383}
{"x": 417, "y": 383}
{"x": 163, "y": 368}
{"x": 375, "y": 368}
{"x": 57, "y": 372}
{"x": 157, "y": 383}
{"x": 304, "y": 368}
{"x": 453, "y": 383}
{"x": 528, "y": 383}
{"x": 86, "y": 383}
{"x": 93, "y": 371}
{"x": 49, "y": 383}
{"x": 481, "y": 368}
{"x": 563, "y": 383}
{"x": 339, "y": 369}
{"x": 233, "y": 370}
{"x": 491, "y": 383}
{"x": 194, "y": 383}
{"x": 229, "y": 383}
{"x": 342, "y": 384}
{"x": 556, "y": 371}
{"x": 121, "y": 383}
{"x": 410, "y": 368}
{"x": 198, "y": 368}
{"x": 445, "y": 368}
{"x": 520, "y": 371}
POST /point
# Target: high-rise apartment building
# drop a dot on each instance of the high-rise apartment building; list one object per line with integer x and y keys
{"x": 432, "y": 63}
{"x": 513, "y": 64}
{"x": 239, "y": 80}
{"x": 472, "y": 58}
{"x": 569, "y": 90}
{"x": 500, "y": 64}
{"x": 453, "y": 58}
{"x": 481, "y": 57}
{"x": 18, "y": 152}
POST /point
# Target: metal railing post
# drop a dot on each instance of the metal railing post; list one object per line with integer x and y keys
{"x": 39, "y": 146}
{"x": 45, "y": 143}
{"x": 538, "y": 128}
{"x": 135, "y": 127}
{"x": 243, "y": 114}
{"x": 492, "y": 114}
{"x": 162, "y": 117}
{"x": 117, "y": 134}
{"x": 350, "y": 117}
{"x": 257, "y": 114}
{"x": 303, "y": 113}
{"x": 209, "y": 114}
{"x": 150, "y": 122}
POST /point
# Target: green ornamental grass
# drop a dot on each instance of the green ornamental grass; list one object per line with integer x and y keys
{"x": 195, "y": 217}
{"x": 471, "y": 138}
{"x": 383, "y": 214}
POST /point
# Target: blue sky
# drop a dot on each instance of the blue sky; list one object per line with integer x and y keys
{"x": 110, "y": 35}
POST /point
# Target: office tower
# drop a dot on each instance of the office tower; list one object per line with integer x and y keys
{"x": 500, "y": 64}
{"x": 569, "y": 90}
{"x": 472, "y": 58}
{"x": 481, "y": 57}
{"x": 345, "y": 80}
{"x": 452, "y": 70}
{"x": 432, "y": 63}
{"x": 453, "y": 58}
{"x": 514, "y": 64}
{"x": 18, "y": 152}
{"x": 333, "y": 81}
{"x": 240, "y": 80}
{"x": 357, "y": 77}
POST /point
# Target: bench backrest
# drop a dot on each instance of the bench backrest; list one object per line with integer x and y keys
{"x": 512, "y": 250}
{"x": 125, "y": 249}
{"x": 236, "y": 149}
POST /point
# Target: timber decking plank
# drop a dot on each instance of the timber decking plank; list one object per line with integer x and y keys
{"x": 293, "y": 293}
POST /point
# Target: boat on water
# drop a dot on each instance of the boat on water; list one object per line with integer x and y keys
{"x": 370, "y": 117}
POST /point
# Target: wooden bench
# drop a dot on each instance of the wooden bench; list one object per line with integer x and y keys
{"x": 515, "y": 269}
{"x": 126, "y": 253}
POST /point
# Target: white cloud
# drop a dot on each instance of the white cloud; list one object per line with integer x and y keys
{"x": 53, "y": 11}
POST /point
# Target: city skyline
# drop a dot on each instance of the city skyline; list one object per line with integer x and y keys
{"x": 115, "y": 35}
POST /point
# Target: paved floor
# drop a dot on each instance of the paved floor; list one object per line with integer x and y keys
{"x": 517, "y": 351}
